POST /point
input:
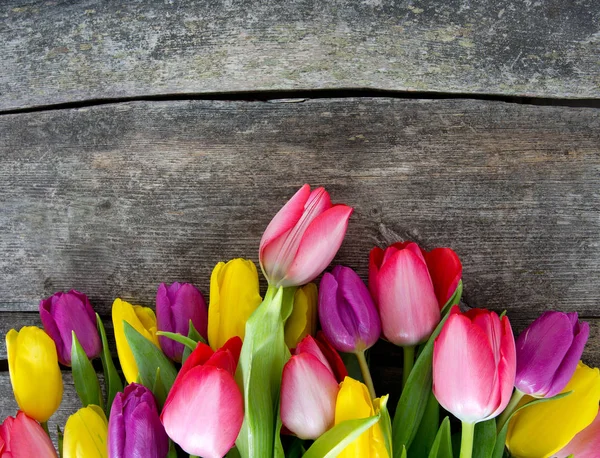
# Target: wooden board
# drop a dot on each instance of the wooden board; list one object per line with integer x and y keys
{"x": 58, "y": 51}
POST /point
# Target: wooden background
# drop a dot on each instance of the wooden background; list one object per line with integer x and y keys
{"x": 141, "y": 144}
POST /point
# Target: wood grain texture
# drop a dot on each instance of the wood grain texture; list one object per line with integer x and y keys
{"x": 112, "y": 200}
{"x": 60, "y": 51}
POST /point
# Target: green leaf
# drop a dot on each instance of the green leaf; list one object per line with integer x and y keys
{"x": 331, "y": 443}
{"x": 148, "y": 359}
{"x": 60, "y": 436}
{"x": 421, "y": 444}
{"x": 413, "y": 401}
{"x": 112, "y": 380}
{"x": 485, "y": 439}
{"x": 403, "y": 454}
{"x": 442, "y": 444}
{"x": 385, "y": 423}
{"x": 233, "y": 453}
{"x": 158, "y": 389}
{"x": 189, "y": 343}
{"x": 501, "y": 438}
{"x": 172, "y": 450}
{"x": 196, "y": 337}
{"x": 352, "y": 366}
{"x": 296, "y": 450}
{"x": 84, "y": 376}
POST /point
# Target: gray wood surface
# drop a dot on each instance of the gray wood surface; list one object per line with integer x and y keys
{"x": 62, "y": 51}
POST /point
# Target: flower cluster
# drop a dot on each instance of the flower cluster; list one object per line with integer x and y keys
{"x": 286, "y": 373}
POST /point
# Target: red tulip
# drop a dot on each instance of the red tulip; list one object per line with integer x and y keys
{"x": 309, "y": 388}
{"x": 204, "y": 410}
{"x": 474, "y": 365}
{"x": 303, "y": 237}
{"x": 23, "y": 437}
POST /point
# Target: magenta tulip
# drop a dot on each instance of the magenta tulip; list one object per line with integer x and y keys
{"x": 204, "y": 410}
{"x": 303, "y": 238}
{"x": 63, "y": 313}
{"x": 309, "y": 388}
{"x": 474, "y": 365}
{"x": 134, "y": 427}
{"x": 176, "y": 305}
{"x": 548, "y": 352}
{"x": 23, "y": 437}
{"x": 586, "y": 444}
{"x": 346, "y": 311}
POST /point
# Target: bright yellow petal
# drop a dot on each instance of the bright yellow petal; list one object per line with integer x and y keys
{"x": 235, "y": 300}
{"x": 86, "y": 434}
{"x": 303, "y": 320}
{"x": 541, "y": 430}
{"x": 34, "y": 372}
{"x": 148, "y": 320}
{"x": 353, "y": 402}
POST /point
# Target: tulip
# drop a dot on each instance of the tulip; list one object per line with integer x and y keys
{"x": 234, "y": 295}
{"x": 585, "y": 444}
{"x": 548, "y": 352}
{"x": 23, "y": 437}
{"x": 85, "y": 434}
{"x": 309, "y": 388}
{"x": 353, "y": 402}
{"x": 302, "y": 238}
{"x": 474, "y": 365}
{"x": 303, "y": 320}
{"x": 204, "y": 410}
{"x": 64, "y": 313}
{"x": 143, "y": 320}
{"x": 134, "y": 427}
{"x": 34, "y": 372}
{"x": 540, "y": 430}
{"x": 176, "y": 305}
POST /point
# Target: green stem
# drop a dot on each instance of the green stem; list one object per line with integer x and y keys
{"x": 364, "y": 369}
{"x": 45, "y": 427}
{"x": 510, "y": 408}
{"x": 409, "y": 361}
{"x": 466, "y": 440}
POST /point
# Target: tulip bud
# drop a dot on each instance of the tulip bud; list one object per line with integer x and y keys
{"x": 545, "y": 428}
{"x": 346, "y": 311}
{"x": 134, "y": 427}
{"x": 205, "y": 408}
{"x": 548, "y": 352}
{"x": 176, "y": 305}
{"x": 303, "y": 320}
{"x": 354, "y": 402}
{"x": 303, "y": 238}
{"x": 23, "y": 437}
{"x": 85, "y": 434}
{"x": 34, "y": 372}
{"x": 474, "y": 365}
{"x": 143, "y": 320}
{"x": 585, "y": 444}
{"x": 309, "y": 388}
{"x": 64, "y": 313}
{"x": 234, "y": 295}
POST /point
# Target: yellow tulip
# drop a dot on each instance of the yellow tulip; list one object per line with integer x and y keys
{"x": 354, "y": 401}
{"x": 543, "y": 429}
{"x": 143, "y": 320}
{"x": 86, "y": 434}
{"x": 303, "y": 320}
{"x": 34, "y": 372}
{"x": 234, "y": 295}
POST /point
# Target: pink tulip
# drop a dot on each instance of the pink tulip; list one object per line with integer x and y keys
{"x": 23, "y": 437}
{"x": 309, "y": 388}
{"x": 586, "y": 444}
{"x": 204, "y": 410}
{"x": 303, "y": 237}
{"x": 474, "y": 365}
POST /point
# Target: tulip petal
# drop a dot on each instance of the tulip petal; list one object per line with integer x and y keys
{"x": 86, "y": 434}
{"x": 585, "y": 444}
{"x": 319, "y": 245}
{"x": 309, "y": 345}
{"x": 375, "y": 261}
{"x": 333, "y": 357}
{"x": 506, "y": 366}
{"x": 445, "y": 269}
{"x": 24, "y": 438}
{"x": 308, "y": 394}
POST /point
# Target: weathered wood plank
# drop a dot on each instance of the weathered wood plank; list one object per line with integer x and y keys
{"x": 114, "y": 199}
{"x": 59, "y": 51}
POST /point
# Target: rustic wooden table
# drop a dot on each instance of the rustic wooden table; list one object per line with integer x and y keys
{"x": 142, "y": 143}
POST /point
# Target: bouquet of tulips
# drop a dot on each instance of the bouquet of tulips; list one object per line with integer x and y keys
{"x": 258, "y": 377}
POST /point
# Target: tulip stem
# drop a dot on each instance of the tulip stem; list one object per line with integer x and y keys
{"x": 45, "y": 427}
{"x": 366, "y": 373}
{"x": 409, "y": 361}
{"x": 466, "y": 440}
{"x": 510, "y": 408}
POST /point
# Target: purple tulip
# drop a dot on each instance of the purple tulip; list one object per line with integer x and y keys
{"x": 347, "y": 313}
{"x": 63, "y": 313}
{"x": 134, "y": 427}
{"x": 176, "y": 305}
{"x": 548, "y": 352}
